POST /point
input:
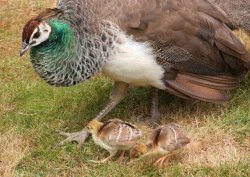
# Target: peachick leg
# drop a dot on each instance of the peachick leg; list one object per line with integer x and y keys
{"x": 112, "y": 154}
{"x": 119, "y": 91}
{"x": 121, "y": 158}
{"x": 160, "y": 161}
{"x": 145, "y": 157}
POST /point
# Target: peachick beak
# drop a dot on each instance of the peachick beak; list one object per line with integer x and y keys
{"x": 25, "y": 48}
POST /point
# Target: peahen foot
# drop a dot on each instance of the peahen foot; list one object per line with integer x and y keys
{"x": 79, "y": 137}
{"x": 118, "y": 93}
{"x": 152, "y": 120}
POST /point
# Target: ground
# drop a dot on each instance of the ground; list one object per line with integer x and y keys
{"x": 31, "y": 113}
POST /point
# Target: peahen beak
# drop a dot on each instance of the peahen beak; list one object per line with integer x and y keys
{"x": 25, "y": 48}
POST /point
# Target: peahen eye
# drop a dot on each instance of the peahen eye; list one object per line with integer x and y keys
{"x": 37, "y": 35}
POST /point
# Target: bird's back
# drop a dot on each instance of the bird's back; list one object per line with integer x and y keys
{"x": 198, "y": 52}
{"x": 119, "y": 134}
{"x": 169, "y": 138}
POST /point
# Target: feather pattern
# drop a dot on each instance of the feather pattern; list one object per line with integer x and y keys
{"x": 178, "y": 40}
{"x": 164, "y": 141}
{"x": 114, "y": 134}
{"x": 168, "y": 138}
{"x": 76, "y": 49}
{"x": 118, "y": 133}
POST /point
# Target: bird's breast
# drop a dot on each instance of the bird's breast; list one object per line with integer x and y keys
{"x": 101, "y": 143}
{"x": 134, "y": 63}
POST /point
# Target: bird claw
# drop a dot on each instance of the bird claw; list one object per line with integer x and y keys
{"x": 79, "y": 137}
{"x": 121, "y": 158}
{"x": 160, "y": 162}
{"x": 151, "y": 121}
{"x": 98, "y": 161}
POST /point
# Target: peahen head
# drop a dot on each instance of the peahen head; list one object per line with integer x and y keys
{"x": 37, "y": 30}
{"x": 34, "y": 33}
{"x": 62, "y": 51}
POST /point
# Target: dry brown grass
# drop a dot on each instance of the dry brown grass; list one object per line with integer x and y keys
{"x": 53, "y": 3}
{"x": 212, "y": 146}
{"x": 13, "y": 148}
{"x": 5, "y": 109}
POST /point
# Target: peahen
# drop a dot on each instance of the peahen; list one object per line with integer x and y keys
{"x": 183, "y": 47}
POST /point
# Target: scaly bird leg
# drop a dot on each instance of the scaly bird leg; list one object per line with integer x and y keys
{"x": 121, "y": 158}
{"x": 145, "y": 157}
{"x": 155, "y": 113}
{"x": 119, "y": 91}
{"x": 160, "y": 161}
{"x": 112, "y": 154}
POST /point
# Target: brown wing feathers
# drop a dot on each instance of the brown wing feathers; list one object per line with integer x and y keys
{"x": 118, "y": 133}
{"x": 154, "y": 138}
{"x": 187, "y": 87}
{"x": 212, "y": 81}
{"x": 169, "y": 137}
{"x": 232, "y": 53}
{"x": 205, "y": 88}
{"x": 198, "y": 27}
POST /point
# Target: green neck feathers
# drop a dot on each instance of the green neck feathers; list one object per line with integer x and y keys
{"x": 60, "y": 39}
{"x": 69, "y": 56}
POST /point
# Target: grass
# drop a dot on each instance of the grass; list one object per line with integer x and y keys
{"x": 31, "y": 112}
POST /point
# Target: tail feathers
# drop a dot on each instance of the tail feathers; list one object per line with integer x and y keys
{"x": 220, "y": 79}
{"x": 219, "y": 82}
{"x": 177, "y": 93}
{"x": 194, "y": 87}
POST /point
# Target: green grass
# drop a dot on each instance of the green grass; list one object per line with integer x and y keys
{"x": 31, "y": 113}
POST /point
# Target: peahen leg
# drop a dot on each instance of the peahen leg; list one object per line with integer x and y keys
{"x": 155, "y": 113}
{"x": 118, "y": 93}
{"x": 154, "y": 117}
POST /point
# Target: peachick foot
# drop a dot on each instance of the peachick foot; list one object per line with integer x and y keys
{"x": 160, "y": 162}
{"x": 79, "y": 137}
{"x": 104, "y": 160}
{"x": 121, "y": 158}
